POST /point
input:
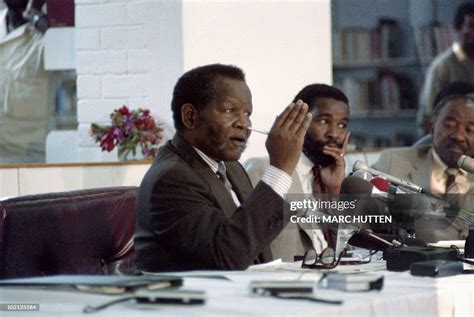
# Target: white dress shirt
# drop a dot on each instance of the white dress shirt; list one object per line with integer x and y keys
{"x": 304, "y": 170}
{"x": 439, "y": 177}
{"x": 278, "y": 180}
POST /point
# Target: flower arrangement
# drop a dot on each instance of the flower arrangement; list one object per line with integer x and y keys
{"x": 129, "y": 129}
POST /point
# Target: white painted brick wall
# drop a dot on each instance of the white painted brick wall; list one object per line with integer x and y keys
{"x": 137, "y": 60}
{"x": 87, "y": 39}
{"x": 101, "y": 14}
{"x": 140, "y": 102}
{"x": 85, "y": 140}
{"x": 126, "y": 85}
{"x": 88, "y": 86}
{"x": 101, "y": 62}
{"x": 98, "y": 110}
{"x": 114, "y": 63}
{"x": 139, "y": 12}
{"x": 132, "y": 37}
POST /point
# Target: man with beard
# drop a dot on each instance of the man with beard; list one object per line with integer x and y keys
{"x": 434, "y": 167}
{"x": 320, "y": 169}
{"x": 196, "y": 209}
{"x": 454, "y": 64}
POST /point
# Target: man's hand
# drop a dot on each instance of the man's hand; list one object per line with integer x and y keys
{"x": 332, "y": 176}
{"x": 285, "y": 140}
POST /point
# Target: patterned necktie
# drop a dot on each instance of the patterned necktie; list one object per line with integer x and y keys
{"x": 317, "y": 186}
{"x": 451, "y": 186}
{"x": 221, "y": 172}
{"x": 452, "y": 189}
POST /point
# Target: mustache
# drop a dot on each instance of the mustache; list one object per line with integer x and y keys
{"x": 332, "y": 144}
{"x": 453, "y": 143}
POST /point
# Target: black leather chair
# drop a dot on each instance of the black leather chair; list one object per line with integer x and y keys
{"x": 77, "y": 232}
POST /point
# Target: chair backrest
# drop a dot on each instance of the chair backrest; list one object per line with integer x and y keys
{"x": 77, "y": 232}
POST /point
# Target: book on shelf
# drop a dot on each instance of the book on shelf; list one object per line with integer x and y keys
{"x": 366, "y": 44}
{"x": 432, "y": 39}
{"x": 388, "y": 91}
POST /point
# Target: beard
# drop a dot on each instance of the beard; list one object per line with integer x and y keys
{"x": 314, "y": 151}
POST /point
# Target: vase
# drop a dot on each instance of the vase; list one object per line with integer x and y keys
{"x": 124, "y": 155}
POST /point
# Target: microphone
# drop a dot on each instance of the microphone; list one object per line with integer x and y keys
{"x": 381, "y": 183}
{"x": 356, "y": 188}
{"x": 363, "y": 174}
{"x": 359, "y": 165}
{"x": 356, "y": 185}
{"x": 466, "y": 163}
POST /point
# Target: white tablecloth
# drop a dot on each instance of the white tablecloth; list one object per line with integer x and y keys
{"x": 402, "y": 295}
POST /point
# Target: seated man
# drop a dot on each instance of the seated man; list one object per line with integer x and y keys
{"x": 434, "y": 167}
{"x": 196, "y": 209}
{"x": 320, "y": 169}
{"x": 454, "y": 88}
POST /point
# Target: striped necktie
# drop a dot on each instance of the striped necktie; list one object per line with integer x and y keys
{"x": 452, "y": 188}
{"x": 221, "y": 172}
{"x": 317, "y": 185}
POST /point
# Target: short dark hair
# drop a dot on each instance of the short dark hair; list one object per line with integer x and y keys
{"x": 197, "y": 87}
{"x": 449, "y": 92}
{"x": 464, "y": 9}
{"x": 312, "y": 92}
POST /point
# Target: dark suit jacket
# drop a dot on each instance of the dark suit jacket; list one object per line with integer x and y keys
{"x": 187, "y": 220}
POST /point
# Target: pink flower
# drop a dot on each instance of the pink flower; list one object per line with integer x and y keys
{"x": 107, "y": 140}
{"x": 129, "y": 129}
{"x": 123, "y": 111}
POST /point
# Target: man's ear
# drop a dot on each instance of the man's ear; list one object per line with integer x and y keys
{"x": 189, "y": 114}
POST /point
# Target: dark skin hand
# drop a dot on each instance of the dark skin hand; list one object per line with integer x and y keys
{"x": 331, "y": 176}
{"x": 285, "y": 140}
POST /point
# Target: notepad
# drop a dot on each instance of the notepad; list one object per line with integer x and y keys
{"x": 103, "y": 284}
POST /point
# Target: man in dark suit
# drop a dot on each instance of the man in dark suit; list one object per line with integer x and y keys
{"x": 195, "y": 207}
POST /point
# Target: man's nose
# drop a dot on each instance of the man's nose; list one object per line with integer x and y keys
{"x": 459, "y": 133}
{"x": 331, "y": 132}
{"x": 243, "y": 121}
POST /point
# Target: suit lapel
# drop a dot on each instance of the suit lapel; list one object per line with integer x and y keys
{"x": 238, "y": 178}
{"x": 421, "y": 174}
{"x": 221, "y": 196}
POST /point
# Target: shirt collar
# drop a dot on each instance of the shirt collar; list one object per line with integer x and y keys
{"x": 304, "y": 166}
{"x": 213, "y": 164}
{"x": 439, "y": 166}
{"x": 459, "y": 52}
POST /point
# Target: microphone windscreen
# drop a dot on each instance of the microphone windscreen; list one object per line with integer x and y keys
{"x": 363, "y": 174}
{"x": 356, "y": 185}
{"x": 466, "y": 163}
{"x": 381, "y": 184}
{"x": 358, "y": 190}
{"x": 359, "y": 165}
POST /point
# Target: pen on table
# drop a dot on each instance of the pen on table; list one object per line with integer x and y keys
{"x": 258, "y": 131}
